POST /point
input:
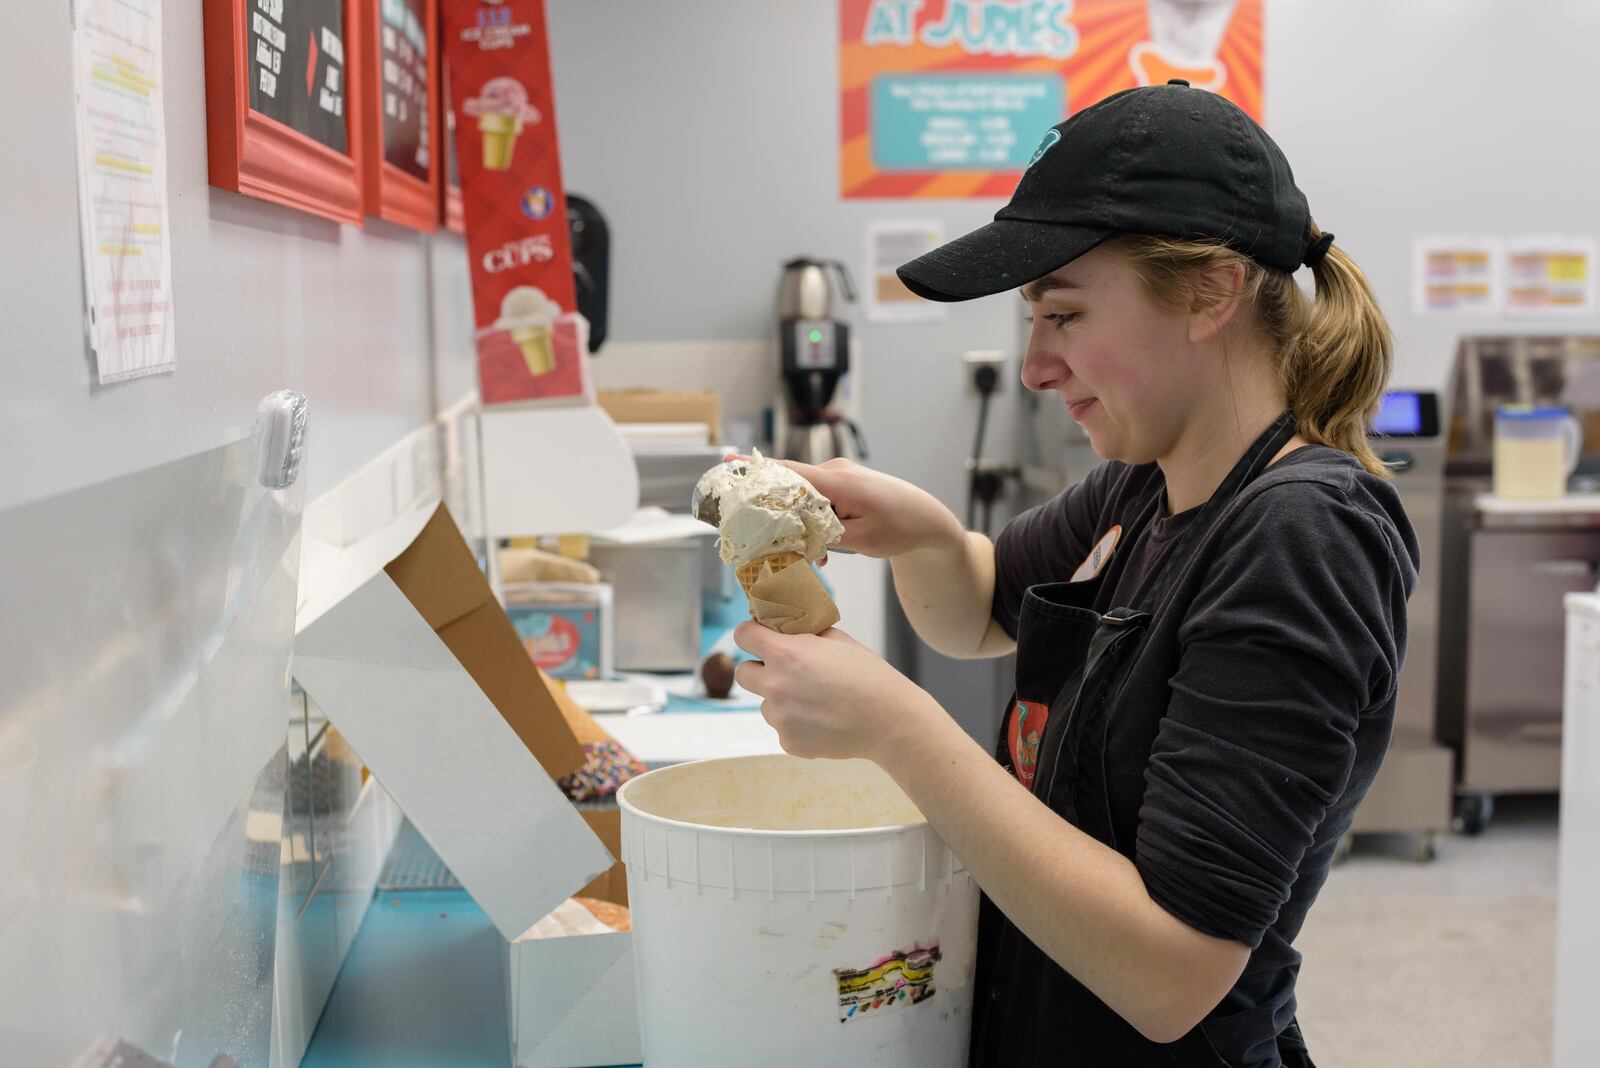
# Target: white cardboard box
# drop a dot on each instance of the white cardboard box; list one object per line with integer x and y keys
{"x": 572, "y": 1002}
{"x": 405, "y": 649}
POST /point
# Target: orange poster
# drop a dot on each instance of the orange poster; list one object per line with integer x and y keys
{"x": 948, "y": 98}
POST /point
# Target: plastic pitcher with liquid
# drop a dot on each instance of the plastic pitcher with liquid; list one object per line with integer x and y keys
{"x": 1535, "y": 450}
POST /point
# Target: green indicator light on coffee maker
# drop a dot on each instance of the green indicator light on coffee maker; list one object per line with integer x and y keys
{"x": 816, "y": 337}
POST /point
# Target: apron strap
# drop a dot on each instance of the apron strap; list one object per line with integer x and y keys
{"x": 1250, "y": 465}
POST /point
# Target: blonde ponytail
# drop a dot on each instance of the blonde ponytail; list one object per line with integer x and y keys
{"x": 1334, "y": 352}
{"x": 1336, "y": 370}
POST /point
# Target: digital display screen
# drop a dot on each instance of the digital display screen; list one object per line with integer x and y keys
{"x": 1399, "y": 415}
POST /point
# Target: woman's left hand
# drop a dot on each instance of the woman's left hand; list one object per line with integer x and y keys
{"x": 828, "y": 695}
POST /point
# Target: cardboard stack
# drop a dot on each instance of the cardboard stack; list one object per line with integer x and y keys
{"x": 665, "y": 407}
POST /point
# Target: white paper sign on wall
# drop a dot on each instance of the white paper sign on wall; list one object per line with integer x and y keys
{"x": 891, "y": 242}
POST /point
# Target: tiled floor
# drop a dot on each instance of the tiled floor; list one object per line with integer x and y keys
{"x": 1441, "y": 965}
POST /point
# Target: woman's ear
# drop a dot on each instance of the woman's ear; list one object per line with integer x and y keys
{"x": 1217, "y": 296}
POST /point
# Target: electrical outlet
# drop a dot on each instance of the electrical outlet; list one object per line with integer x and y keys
{"x": 972, "y": 361}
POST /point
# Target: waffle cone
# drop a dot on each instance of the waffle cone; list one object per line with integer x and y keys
{"x": 749, "y": 574}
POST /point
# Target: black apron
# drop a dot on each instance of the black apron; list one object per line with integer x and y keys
{"x": 1071, "y": 664}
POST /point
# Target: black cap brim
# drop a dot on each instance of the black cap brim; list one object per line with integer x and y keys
{"x": 1003, "y": 255}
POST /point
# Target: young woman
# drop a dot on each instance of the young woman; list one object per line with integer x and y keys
{"x": 1209, "y": 628}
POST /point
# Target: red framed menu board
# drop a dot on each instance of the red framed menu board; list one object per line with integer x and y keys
{"x": 398, "y": 46}
{"x": 282, "y": 96}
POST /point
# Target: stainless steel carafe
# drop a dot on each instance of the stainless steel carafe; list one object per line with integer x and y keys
{"x": 805, "y": 290}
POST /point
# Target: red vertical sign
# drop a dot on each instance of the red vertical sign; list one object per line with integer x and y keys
{"x": 532, "y": 343}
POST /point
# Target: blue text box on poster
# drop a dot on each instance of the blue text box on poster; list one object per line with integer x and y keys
{"x": 954, "y": 122}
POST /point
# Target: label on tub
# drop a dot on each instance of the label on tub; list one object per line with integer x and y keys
{"x": 900, "y": 979}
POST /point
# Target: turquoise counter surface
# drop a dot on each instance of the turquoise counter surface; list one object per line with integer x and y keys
{"x": 422, "y": 987}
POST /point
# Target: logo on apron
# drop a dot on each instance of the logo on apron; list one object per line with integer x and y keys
{"x": 1022, "y": 738}
{"x": 1096, "y": 560}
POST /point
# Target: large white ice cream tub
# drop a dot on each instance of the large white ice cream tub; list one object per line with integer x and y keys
{"x": 795, "y": 912}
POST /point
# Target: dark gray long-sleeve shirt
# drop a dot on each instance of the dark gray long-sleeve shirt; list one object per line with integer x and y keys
{"x": 1260, "y": 706}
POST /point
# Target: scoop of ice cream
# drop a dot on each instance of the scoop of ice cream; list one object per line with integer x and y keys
{"x": 763, "y": 507}
{"x": 1193, "y": 29}
{"x": 502, "y": 96}
{"x": 526, "y": 306}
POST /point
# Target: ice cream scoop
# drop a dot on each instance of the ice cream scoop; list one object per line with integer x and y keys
{"x": 1192, "y": 29}
{"x": 1185, "y": 37}
{"x": 502, "y": 96}
{"x": 762, "y": 508}
{"x": 772, "y": 524}
{"x": 706, "y": 506}
{"x": 501, "y": 108}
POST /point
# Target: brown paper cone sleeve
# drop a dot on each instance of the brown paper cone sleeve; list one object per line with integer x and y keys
{"x": 789, "y": 599}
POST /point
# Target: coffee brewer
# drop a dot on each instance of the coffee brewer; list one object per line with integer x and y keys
{"x": 814, "y": 354}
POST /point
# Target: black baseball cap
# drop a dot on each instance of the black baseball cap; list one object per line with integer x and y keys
{"x": 1165, "y": 160}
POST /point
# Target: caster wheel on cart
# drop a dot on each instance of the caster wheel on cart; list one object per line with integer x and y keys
{"x": 1427, "y": 848}
{"x": 1473, "y": 812}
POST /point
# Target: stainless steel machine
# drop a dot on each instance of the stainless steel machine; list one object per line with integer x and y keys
{"x": 814, "y": 356}
{"x": 1504, "y": 569}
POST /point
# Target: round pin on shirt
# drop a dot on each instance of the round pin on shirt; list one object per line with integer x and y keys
{"x": 1099, "y": 555}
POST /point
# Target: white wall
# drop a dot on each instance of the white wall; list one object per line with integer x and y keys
{"x": 265, "y": 298}
{"x": 1437, "y": 116}
{"x": 709, "y": 135}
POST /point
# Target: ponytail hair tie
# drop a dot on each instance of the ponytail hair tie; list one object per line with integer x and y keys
{"x": 1319, "y": 249}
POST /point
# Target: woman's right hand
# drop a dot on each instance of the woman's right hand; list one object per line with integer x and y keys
{"x": 882, "y": 515}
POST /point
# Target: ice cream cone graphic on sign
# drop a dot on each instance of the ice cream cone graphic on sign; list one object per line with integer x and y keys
{"x": 1185, "y": 36}
{"x": 502, "y": 109}
{"x": 499, "y": 139}
{"x": 529, "y": 316}
{"x": 534, "y": 341}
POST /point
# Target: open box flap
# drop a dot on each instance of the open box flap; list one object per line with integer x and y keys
{"x": 456, "y": 723}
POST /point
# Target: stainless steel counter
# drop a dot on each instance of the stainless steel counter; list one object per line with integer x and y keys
{"x": 1505, "y": 566}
